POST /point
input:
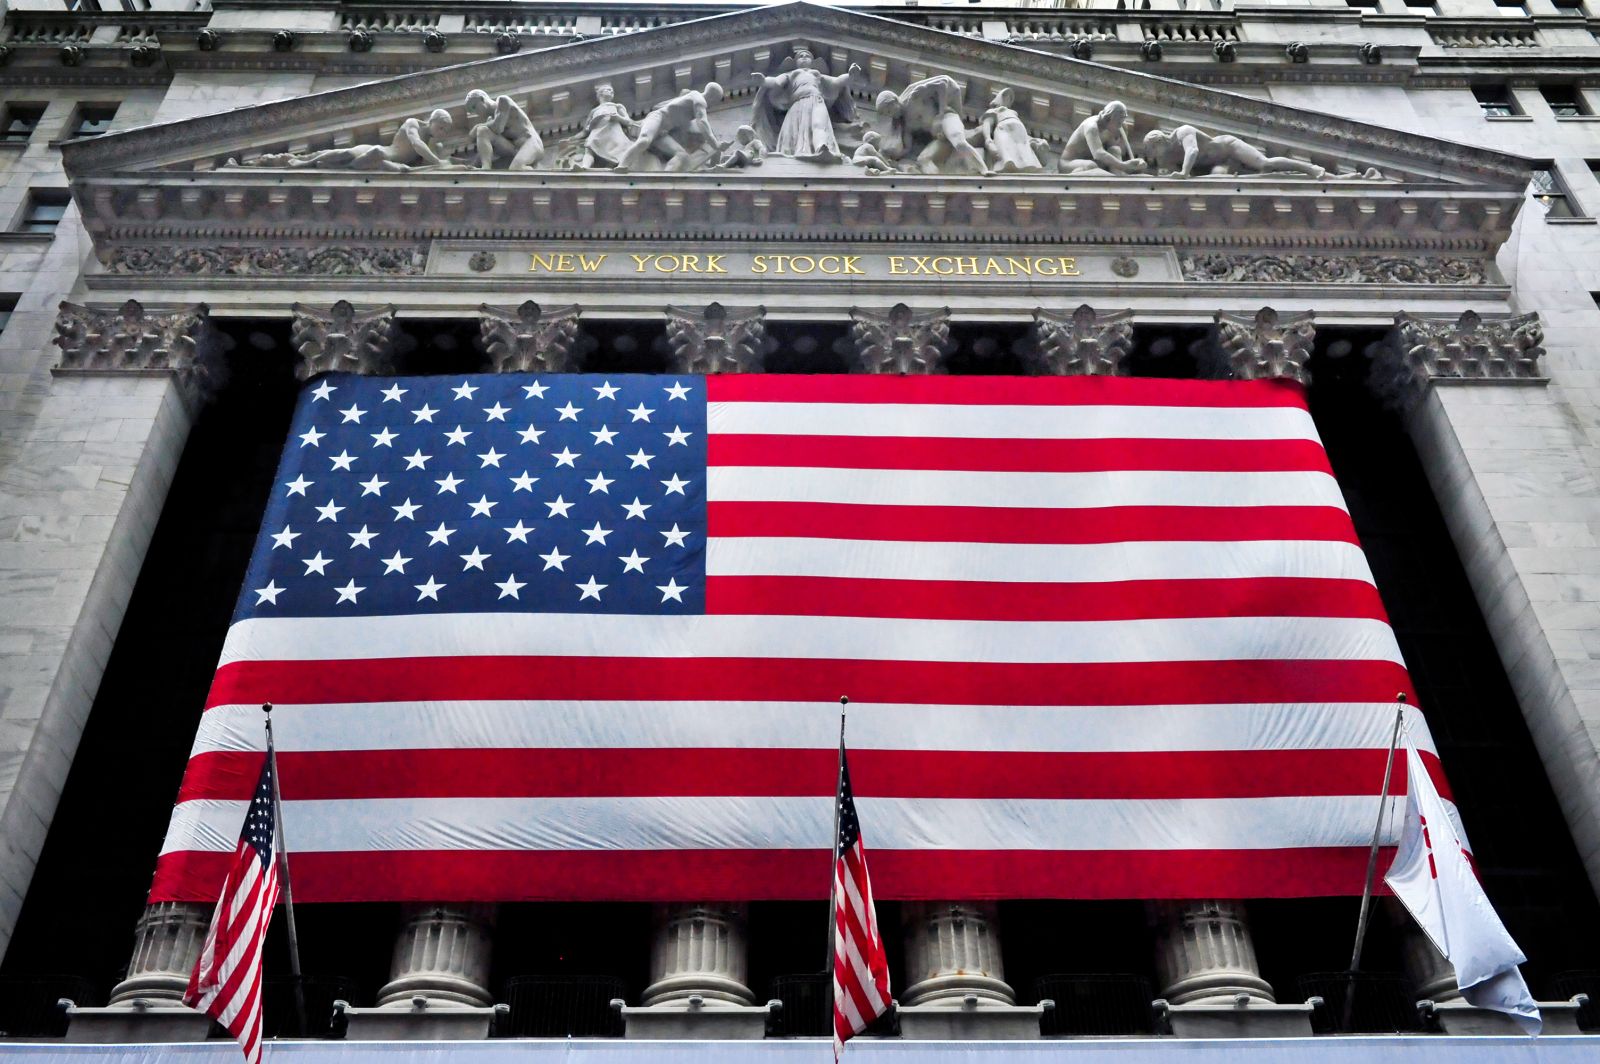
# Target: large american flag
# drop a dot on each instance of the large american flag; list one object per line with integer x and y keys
{"x": 226, "y": 981}
{"x": 580, "y": 637}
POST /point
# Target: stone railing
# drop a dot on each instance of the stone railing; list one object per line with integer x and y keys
{"x": 1191, "y": 29}
{"x": 390, "y": 22}
{"x": 554, "y": 24}
{"x": 1486, "y": 33}
{"x": 1060, "y": 29}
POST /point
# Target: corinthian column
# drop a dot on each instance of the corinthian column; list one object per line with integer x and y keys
{"x": 953, "y": 954}
{"x": 1204, "y": 952}
{"x": 698, "y": 952}
{"x": 438, "y": 984}
{"x": 1264, "y": 346}
{"x": 167, "y": 941}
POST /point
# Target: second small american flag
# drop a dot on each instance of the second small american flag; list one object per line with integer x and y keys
{"x": 580, "y": 637}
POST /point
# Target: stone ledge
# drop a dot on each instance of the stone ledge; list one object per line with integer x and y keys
{"x": 1243, "y": 1017}
{"x": 1457, "y": 1017}
{"x": 136, "y": 1021}
{"x": 968, "y": 1021}
{"x": 699, "y": 1021}
{"x": 417, "y": 1020}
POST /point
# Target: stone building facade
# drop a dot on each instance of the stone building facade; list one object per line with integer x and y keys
{"x": 1411, "y": 188}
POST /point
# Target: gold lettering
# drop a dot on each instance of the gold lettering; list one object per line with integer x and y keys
{"x": 691, "y": 264}
{"x": 897, "y": 264}
{"x": 714, "y": 264}
{"x": 1069, "y": 268}
{"x": 949, "y": 267}
{"x": 991, "y": 266}
{"x": 1046, "y": 267}
{"x": 852, "y": 265}
{"x": 967, "y": 264}
{"x": 639, "y": 262}
{"x": 828, "y": 264}
{"x": 919, "y": 264}
{"x": 547, "y": 263}
{"x": 663, "y": 261}
{"x": 759, "y": 264}
{"x": 590, "y": 265}
{"x": 1023, "y": 265}
{"x": 809, "y": 267}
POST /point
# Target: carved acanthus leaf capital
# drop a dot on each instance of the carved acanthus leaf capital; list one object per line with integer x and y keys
{"x": 711, "y": 341}
{"x": 1088, "y": 343}
{"x": 1264, "y": 346}
{"x": 342, "y": 340}
{"x": 131, "y": 339}
{"x": 528, "y": 340}
{"x": 1421, "y": 348}
{"x": 901, "y": 341}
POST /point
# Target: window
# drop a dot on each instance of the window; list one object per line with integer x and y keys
{"x": 8, "y": 303}
{"x": 1548, "y": 190}
{"x": 1428, "y": 5}
{"x": 1370, "y": 5}
{"x": 44, "y": 210}
{"x": 1564, "y": 100}
{"x": 1511, "y": 7}
{"x": 1495, "y": 100}
{"x": 19, "y": 122}
{"x": 93, "y": 119}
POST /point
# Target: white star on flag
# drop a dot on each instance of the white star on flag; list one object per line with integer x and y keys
{"x": 450, "y": 483}
{"x": 373, "y": 486}
{"x": 322, "y": 391}
{"x": 474, "y": 560}
{"x": 429, "y": 590}
{"x": 599, "y": 482}
{"x": 606, "y": 390}
{"x": 465, "y": 390}
{"x": 483, "y": 507}
{"x": 676, "y": 538}
{"x": 269, "y": 593}
{"x": 352, "y": 413}
{"x": 640, "y": 459}
{"x": 632, "y": 563}
{"x": 311, "y": 437}
{"x": 524, "y": 482}
{"x": 569, "y": 412}
{"x": 531, "y": 434}
{"x": 458, "y": 436}
{"x": 298, "y": 485}
{"x": 636, "y": 508}
{"x": 560, "y": 507}
{"x": 510, "y": 587}
{"x": 393, "y": 393}
{"x": 285, "y": 538}
{"x": 677, "y": 437}
{"x": 518, "y": 533}
{"x": 329, "y": 512}
{"x": 396, "y": 564}
{"x": 384, "y": 438}
{"x": 677, "y": 391}
{"x": 424, "y": 413}
{"x": 596, "y": 534}
{"x": 440, "y": 535}
{"x": 417, "y": 460}
{"x": 676, "y": 485}
{"x": 535, "y": 390}
{"x": 496, "y": 412}
{"x": 316, "y": 564}
{"x": 349, "y": 592}
{"x": 554, "y": 559}
{"x": 672, "y": 590}
{"x": 406, "y": 511}
{"x": 641, "y": 412}
{"x": 343, "y": 460}
{"x": 591, "y": 590}
{"x": 362, "y": 538}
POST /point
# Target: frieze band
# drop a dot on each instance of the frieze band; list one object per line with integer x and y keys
{"x": 1331, "y": 269}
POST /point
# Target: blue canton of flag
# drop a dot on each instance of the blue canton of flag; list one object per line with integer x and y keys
{"x": 503, "y": 492}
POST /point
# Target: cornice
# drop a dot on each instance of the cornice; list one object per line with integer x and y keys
{"x": 932, "y": 49}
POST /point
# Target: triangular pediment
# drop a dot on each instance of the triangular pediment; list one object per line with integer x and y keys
{"x": 205, "y": 172}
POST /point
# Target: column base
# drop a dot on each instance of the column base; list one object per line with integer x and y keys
{"x": 1458, "y": 1017}
{"x": 136, "y": 1021}
{"x": 418, "y": 1020}
{"x": 696, "y": 1018}
{"x": 967, "y": 1020}
{"x": 1244, "y": 1016}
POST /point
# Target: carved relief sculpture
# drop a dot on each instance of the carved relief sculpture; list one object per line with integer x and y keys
{"x": 1005, "y": 139}
{"x": 746, "y": 150}
{"x": 129, "y": 338}
{"x": 1185, "y": 151}
{"x": 415, "y": 146}
{"x": 795, "y": 111}
{"x": 340, "y": 340}
{"x": 869, "y": 155}
{"x": 682, "y": 116}
{"x": 925, "y": 125}
{"x": 1421, "y": 348}
{"x": 1265, "y": 346}
{"x": 606, "y": 134}
{"x": 502, "y": 131}
{"x": 527, "y": 340}
{"x": 1086, "y": 344}
{"x": 1100, "y": 144}
{"x": 901, "y": 341}
{"x": 709, "y": 341}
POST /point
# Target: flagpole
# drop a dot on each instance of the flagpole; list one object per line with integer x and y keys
{"x": 833, "y": 866}
{"x": 283, "y": 875}
{"x": 1372, "y": 860}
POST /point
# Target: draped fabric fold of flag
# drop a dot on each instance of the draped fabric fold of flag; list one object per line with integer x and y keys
{"x": 579, "y": 637}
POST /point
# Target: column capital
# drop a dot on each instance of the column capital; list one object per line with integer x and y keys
{"x": 1422, "y": 348}
{"x": 1263, "y": 346}
{"x": 1086, "y": 343}
{"x": 342, "y": 339}
{"x": 131, "y": 339}
{"x": 713, "y": 341}
{"x": 529, "y": 340}
{"x": 901, "y": 341}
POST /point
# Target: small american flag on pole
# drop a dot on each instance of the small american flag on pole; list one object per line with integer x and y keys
{"x": 860, "y": 966}
{"x": 226, "y": 983}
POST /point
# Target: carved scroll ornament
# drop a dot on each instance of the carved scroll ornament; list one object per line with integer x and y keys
{"x": 1265, "y": 346}
{"x": 1086, "y": 344}
{"x": 901, "y": 341}
{"x": 342, "y": 340}
{"x": 130, "y": 339}
{"x": 528, "y": 340}
{"x": 710, "y": 341}
{"x": 1420, "y": 349}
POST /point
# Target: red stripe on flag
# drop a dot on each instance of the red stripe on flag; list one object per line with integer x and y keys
{"x": 991, "y": 391}
{"x": 1023, "y": 456}
{"x": 822, "y": 596}
{"x": 786, "y": 875}
{"x": 805, "y": 680}
{"x": 1022, "y": 524}
{"x": 644, "y": 773}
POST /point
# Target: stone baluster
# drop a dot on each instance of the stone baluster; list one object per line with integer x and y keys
{"x": 698, "y": 951}
{"x": 442, "y": 955}
{"x": 712, "y": 341}
{"x": 530, "y": 340}
{"x": 167, "y": 941}
{"x": 342, "y": 339}
{"x": 1088, "y": 343}
{"x": 901, "y": 341}
{"x": 1204, "y": 951}
{"x": 953, "y": 955}
{"x": 1262, "y": 347}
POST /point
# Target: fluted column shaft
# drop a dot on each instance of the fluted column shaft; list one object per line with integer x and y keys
{"x": 1432, "y": 976}
{"x": 699, "y": 950}
{"x": 1204, "y": 950}
{"x": 952, "y": 953}
{"x": 167, "y": 943}
{"x": 442, "y": 954}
